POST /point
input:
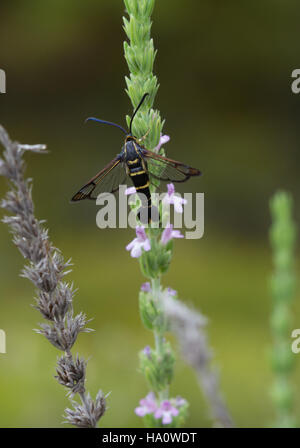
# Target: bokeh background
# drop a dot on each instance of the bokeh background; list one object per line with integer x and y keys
{"x": 225, "y": 74}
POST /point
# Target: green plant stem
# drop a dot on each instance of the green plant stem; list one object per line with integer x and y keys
{"x": 159, "y": 332}
{"x": 139, "y": 53}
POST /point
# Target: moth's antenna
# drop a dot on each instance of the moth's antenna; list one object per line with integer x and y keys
{"x": 106, "y": 122}
{"x": 134, "y": 113}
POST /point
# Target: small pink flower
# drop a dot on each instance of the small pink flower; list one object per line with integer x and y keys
{"x": 171, "y": 292}
{"x": 163, "y": 139}
{"x": 129, "y": 191}
{"x": 139, "y": 243}
{"x": 179, "y": 401}
{"x": 147, "y": 405}
{"x": 146, "y": 287}
{"x": 147, "y": 351}
{"x": 166, "y": 411}
{"x": 172, "y": 198}
{"x": 169, "y": 233}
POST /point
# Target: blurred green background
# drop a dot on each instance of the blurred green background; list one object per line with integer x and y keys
{"x": 225, "y": 75}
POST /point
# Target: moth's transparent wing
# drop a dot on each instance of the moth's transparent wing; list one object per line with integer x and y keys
{"x": 107, "y": 180}
{"x": 168, "y": 170}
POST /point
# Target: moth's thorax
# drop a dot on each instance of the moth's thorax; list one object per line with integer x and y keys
{"x": 131, "y": 149}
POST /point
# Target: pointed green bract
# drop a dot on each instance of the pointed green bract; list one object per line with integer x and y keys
{"x": 140, "y": 55}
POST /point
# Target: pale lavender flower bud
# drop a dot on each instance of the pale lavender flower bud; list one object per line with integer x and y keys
{"x": 166, "y": 411}
{"x": 163, "y": 139}
{"x": 130, "y": 190}
{"x": 172, "y": 198}
{"x": 169, "y": 233}
{"x": 179, "y": 401}
{"x": 147, "y": 351}
{"x": 146, "y": 287}
{"x": 172, "y": 292}
{"x": 147, "y": 405}
{"x": 138, "y": 244}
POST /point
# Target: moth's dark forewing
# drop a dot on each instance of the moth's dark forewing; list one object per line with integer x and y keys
{"x": 168, "y": 170}
{"x": 107, "y": 180}
{"x": 111, "y": 182}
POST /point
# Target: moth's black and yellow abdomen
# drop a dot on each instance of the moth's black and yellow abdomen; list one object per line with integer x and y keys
{"x": 138, "y": 173}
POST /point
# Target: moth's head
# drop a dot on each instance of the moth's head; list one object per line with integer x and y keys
{"x": 130, "y": 138}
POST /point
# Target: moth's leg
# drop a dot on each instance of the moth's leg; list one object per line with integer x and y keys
{"x": 144, "y": 136}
